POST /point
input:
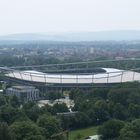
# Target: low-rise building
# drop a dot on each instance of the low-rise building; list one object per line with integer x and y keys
{"x": 24, "y": 93}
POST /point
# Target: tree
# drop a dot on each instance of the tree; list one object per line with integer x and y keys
{"x": 101, "y": 114}
{"x": 76, "y": 94}
{"x": 50, "y": 123}
{"x": 120, "y": 112}
{"x": 38, "y": 137}
{"x": 54, "y": 95}
{"x": 100, "y": 93}
{"x": 32, "y": 111}
{"x": 119, "y": 95}
{"x": 28, "y": 105}
{"x": 65, "y": 122}
{"x": 4, "y": 131}
{"x": 110, "y": 129}
{"x": 101, "y": 104}
{"x": 81, "y": 120}
{"x": 131, "y": 131}
{"x": 25, "y": 130}
{"x": 14, "y": 101}
{"x": 134, "y": 110}
{"x": 2, "y": 100}
{"x": 60, "y": 108}
{"x": 9, "y": 114}
{"x": 91, "y": 114}
{"x": 134, "y": 97}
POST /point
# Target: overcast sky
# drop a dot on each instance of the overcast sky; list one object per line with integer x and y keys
{"x": 29, "y": 16}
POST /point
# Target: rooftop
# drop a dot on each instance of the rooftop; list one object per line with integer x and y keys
{"x": 23, "y": 87}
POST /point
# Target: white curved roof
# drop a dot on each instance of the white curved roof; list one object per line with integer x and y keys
{"x": 110, "y": 76}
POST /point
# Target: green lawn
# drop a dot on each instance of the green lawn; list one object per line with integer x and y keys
{"x": 82, "y": 133}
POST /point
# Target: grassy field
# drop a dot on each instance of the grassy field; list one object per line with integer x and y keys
{"x": 82, "y": 133}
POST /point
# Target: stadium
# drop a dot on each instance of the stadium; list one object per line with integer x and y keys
{"x": 110, "y": 76}
{"x": 80, "y": 74}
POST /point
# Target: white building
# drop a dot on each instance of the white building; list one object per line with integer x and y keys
{"x": 24, "y": 93}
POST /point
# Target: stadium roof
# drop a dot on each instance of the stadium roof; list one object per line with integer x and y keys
{"x": 110, "y": 76}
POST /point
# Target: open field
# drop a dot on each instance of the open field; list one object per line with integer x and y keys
{"x": 83, "y": 133}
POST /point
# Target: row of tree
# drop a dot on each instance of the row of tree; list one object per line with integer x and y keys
{"x": 116, "y": 109}
{"x": 29, "y": 121}
{"x": 120, "y": 130}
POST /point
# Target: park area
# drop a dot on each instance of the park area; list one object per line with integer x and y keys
{"x": 81, "y": 134}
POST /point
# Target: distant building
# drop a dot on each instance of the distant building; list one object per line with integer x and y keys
{"x": 92, "y": 50}
{"x": 24, "y": 93}
{"x": 1, "y": 91}
{"x": 119, "y": 58}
